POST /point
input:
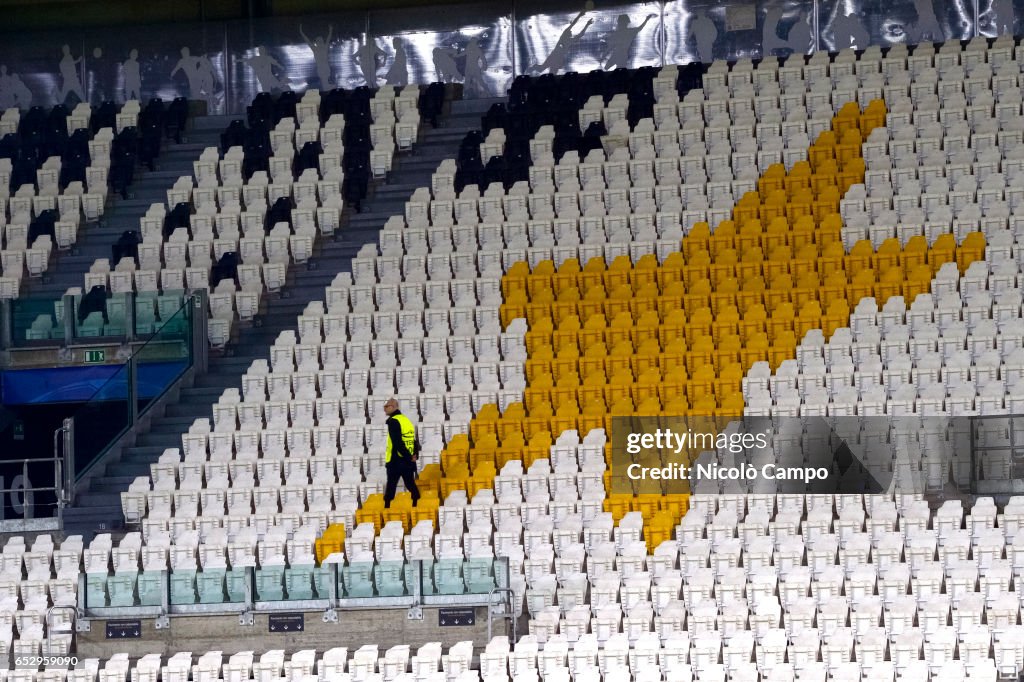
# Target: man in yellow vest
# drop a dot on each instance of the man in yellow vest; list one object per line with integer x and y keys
{"x": 400, "y": 456}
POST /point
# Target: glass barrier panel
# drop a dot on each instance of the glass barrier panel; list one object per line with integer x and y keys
{"x": 37, "y": 321}
{"x": 96, "y": 590}
{"x": 234, "y": 584}
{"x": 158, "y": 364}
{"x": 322, "y": 577}
{"x": 356, "y": 580}
{"x": 269, "y": 582}
{"x": 151, "y": 587}
{"x": 212, "y": 586}
{"x": 122, "y": 589}
{"x": 183, "y": 587}
{"x": 167, "y": 353}
{"x": 299, "y": 581}
{"x": 102, "y": 419}
{"x": 166, "y": 309}
{"x": 100, "y": 314}
{"x": 389, "y": 579}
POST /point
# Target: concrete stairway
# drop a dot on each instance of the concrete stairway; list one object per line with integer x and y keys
{"x": 99, "y": 507}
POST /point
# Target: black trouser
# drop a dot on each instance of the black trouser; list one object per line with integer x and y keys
{"x": 400, "y": 468}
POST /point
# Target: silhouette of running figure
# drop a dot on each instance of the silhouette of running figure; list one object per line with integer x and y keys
{"x": 770, "y": 40}
{"x": 367, "y": 56}
{"x": 799, "y": 38}
{"x": 189, "y": 65}
{"x": 262, "y": 64}
{"x": 704, "y": 33}
{"x": 13, "y": 91}
{"x": 72, "y": 83}
{"x": 476, "y": 64}
{"x": 132, "y": 76}
{"x": 444, "y": 64}
{"x": 620, "y": 42}
{"x": 398, "y": 74}
{"x": 849, "y": 32}
{"x": 321, "y": 48}
{"x": 926, "y": 28}
{"x": 559, "y": 56}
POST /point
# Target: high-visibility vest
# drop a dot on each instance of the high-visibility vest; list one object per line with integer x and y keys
{"x": 408, "y": 436}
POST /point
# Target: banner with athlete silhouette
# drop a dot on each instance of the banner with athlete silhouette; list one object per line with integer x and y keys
{"x": 470, "y": 45}
{"x": 482, "y": 46}
{"x": 842, "y": 25}
{"x": 1000, "y": 17}
{"x": 556, "y": 37}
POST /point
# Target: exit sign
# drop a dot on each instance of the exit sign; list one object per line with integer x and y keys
{"x": 95, "y": 356}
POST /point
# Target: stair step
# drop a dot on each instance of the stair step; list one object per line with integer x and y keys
{"x": 145, "y": 454}
{"x": 109, "y": 483}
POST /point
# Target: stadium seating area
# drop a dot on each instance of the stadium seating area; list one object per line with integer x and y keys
{"x": 257, "y": 205}
{"x": 54, "y": 172}
{"x": 829, "y": 236}
{"x": 60, "y": 166}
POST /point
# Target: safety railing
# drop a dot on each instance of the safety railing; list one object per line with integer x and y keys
{"x": 327, "y": 587}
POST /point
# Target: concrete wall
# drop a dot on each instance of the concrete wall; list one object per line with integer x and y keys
{"x": 198, "y": 634}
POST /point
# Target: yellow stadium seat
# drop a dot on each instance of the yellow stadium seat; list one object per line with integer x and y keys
{"x": 511, "y": 448}
{"x": 566, "y": 276}
{"x": 648, "y": 354}
{"x": 971, "y": 249}
{"x": 697, "y": 240}
{"x": 515, "y": 279}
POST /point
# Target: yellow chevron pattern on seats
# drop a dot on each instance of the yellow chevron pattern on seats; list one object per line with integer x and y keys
{"x": 677, "y": 338}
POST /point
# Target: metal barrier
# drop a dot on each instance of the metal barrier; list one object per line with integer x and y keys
{"x": 328, "y": 588}
{"x": 24, "y": 486}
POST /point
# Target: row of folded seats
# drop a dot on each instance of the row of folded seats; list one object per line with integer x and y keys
{"x": 376, "y": 122}
{"x": 430, "y": 662}
{"x": 502, "y": 151}
{"x": 97, "y": 312}
{"x": 848, "y": 575}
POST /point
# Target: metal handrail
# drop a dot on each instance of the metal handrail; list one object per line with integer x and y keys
{"x": 510, "y": 615}
{"x": 50, "y": 630}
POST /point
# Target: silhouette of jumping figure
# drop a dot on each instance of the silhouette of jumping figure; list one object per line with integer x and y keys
{"x": 621, "y": 40}
{"x": 72, "y": 82}
{"x": 398, "y": 74}
{"x": 559, "y": 56}
{"x": 132, "y": 76}
{"x": 189, "y": 65}
{"x": 704, "y": 33}
{"x": 367, "y": 56}
{"x": 321, "y": 48}
{"x": 263, "y": 66}
{"x": 13, "y": 91}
